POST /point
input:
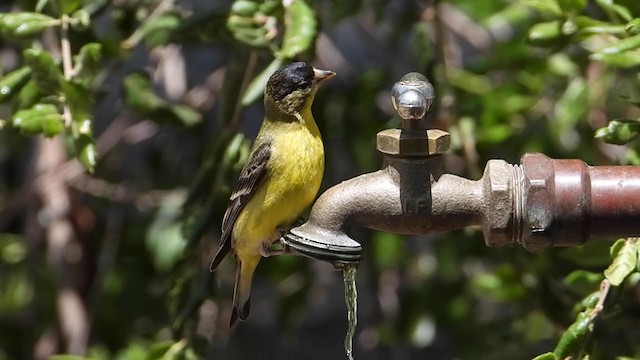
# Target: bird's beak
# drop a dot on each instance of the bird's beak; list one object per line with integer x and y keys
{"x": 322, "y": 75}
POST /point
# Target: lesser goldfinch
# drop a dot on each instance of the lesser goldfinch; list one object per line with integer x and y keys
{"x": 280, "y": 179}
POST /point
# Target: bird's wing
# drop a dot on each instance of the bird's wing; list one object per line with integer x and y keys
{"x": 251, "y": 177}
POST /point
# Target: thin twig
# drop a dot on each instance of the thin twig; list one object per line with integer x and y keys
{"x": 605, "y": 285}
{"x": 67, "y": 64}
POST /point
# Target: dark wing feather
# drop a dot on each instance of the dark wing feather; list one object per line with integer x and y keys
{"x": 251, "y": 177}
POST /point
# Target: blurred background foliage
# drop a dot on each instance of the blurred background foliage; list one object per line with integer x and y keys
{"x": 124, "y": 124}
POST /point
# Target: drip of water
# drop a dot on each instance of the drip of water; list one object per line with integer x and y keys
{"x": 350, "y": 297}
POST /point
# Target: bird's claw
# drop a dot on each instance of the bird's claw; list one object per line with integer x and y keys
{"x": 279, "y": 246}
{"x": 276, "y": 248}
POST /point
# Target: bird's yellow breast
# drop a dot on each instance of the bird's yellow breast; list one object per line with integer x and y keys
{"x": 293, "y": 178}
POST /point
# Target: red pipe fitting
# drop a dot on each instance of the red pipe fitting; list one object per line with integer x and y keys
{"x": 567, "y": 202}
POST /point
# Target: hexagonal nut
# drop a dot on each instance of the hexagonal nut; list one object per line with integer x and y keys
{"x": 395, "y": 142}
{"x": 498, "y": 225}
{"x": 439, "y": 141}
{"x": 539, "y": 176}
{"x": 388, "y": 141}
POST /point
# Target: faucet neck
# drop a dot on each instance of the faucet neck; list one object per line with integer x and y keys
{"x": 419, "y": 168}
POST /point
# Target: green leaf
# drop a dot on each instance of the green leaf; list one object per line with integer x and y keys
{"x": 256, "y": 87}
{"x": 46, "y": 73}
{"x": 159, "y": 349}
{"x": 87, "y": 153}
{"x": 468, "y": 81}
{"x": 624, "y": 262}
{"x": 164, "y": 239}
{"x": 254, "y": 23}
{"x": 633, "y": 27}
{"x": 159, "y": 31}
{"x": 493, "y": 135}
{"x": 13, "y": 82}
{"x": 85, "y": 145}
{"x": 548, "y": 7}
{"x": 619, "y": 131}
{"x": 546, "y": 356}
{"x": 612, "y": 8}
{"x": 590, "y": 254}
{"x": 40, "y": 119}
{"x": 28, "y": 96}
{"x": 140, "y": 97}
{"x": 88, "y": 62}
{"x": 300, "y": 29}
{"x": 562, "y": 65}
{"x": 40, "y": 5}
{"x": 80, "y": 20}
{"x": 621, "y": 46}
{"x": 69, "y": 6}
{"x": 605, "y": 28}
{"x": 616, "y": 247}
{"x": 582, "y": 281}
{"x": 572, "y": 104}
{"x": 575, "y": 336}
{"x": 627, "y": 59}
{"x": 589, "y": 302}
{"x": 244, "y": 8}
{"x": 257, "y": 37}
{"x": 13, "y": 249}
{"x": 572, "y": 6}
{"x": 587, "y": 21}
{"x": 271, "y": 7}
{"x": 184, "y": 115}
{"x": 545, "y": 32}
{"x": 80, "y": 105}
{"x": 22, "y": 25}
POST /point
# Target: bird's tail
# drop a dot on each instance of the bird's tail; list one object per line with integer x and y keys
{"x": 242, "y": 290}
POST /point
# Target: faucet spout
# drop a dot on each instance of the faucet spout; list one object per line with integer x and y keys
{"x": 405, "y": 197}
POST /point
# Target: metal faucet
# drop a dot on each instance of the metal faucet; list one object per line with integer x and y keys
{"x": 538, "y": 204}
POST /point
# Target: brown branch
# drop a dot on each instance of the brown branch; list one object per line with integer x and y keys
{"x": 64, "y": 254}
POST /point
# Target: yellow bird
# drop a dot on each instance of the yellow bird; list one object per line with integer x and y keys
{"x": 279, "y": 181}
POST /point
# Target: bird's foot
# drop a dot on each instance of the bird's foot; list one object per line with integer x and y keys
{"x": 276, "y": 248}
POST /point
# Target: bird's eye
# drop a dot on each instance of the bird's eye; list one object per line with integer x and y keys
{"x": 295, "y": 76}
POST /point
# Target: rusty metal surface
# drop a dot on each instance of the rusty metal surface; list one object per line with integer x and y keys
{"x": 569, "y": 202}
{"x": 615, "y": 201}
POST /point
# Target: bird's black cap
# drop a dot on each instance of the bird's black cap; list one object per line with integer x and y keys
{"x": 295, "y": 76}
